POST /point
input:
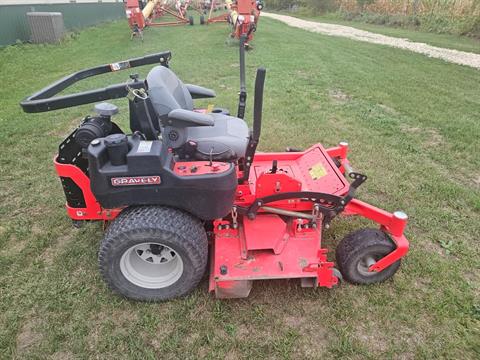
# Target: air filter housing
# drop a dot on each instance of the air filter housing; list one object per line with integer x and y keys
{"x": 46, "y": 27}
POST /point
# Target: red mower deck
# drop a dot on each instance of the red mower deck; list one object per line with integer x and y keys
{"x": 269, "y": 247}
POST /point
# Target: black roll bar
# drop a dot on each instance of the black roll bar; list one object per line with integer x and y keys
{"x": 45, "y": 99}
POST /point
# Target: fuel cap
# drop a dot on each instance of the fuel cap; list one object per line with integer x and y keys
{"x": 115, "y": 139}
{"x": 106, "y": 109}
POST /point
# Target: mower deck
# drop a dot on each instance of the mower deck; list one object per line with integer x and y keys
{"x": 286, "y": 251}
{"x": 272, "y": 247}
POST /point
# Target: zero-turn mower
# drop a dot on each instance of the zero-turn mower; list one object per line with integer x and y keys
{"x": 188, "y": 183}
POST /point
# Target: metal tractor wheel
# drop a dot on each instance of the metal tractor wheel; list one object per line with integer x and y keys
{"x": 153, "y": 253}
{"x": 361, "y": 249}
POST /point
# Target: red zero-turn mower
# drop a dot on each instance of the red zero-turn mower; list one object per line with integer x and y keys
{"x": 187, "y": 181}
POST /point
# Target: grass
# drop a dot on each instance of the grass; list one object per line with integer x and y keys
{"x": 456, "y": 42}
{"x": 412, "y": 123}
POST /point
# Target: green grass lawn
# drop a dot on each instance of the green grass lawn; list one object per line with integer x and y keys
{"x": 413, "y": 126}
{"x": 462, "y": 43}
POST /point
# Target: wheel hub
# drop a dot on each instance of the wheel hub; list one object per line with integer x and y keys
{"x": 365, "y": 263}
{"x": 151, "y": 265}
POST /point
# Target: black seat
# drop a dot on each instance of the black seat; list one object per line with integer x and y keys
{"x": 216, "y": 136}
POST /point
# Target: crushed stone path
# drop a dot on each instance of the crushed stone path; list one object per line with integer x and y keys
{"x": 450, "y": 55}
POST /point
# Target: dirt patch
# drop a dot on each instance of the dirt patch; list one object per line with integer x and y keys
{"x": 422, "y": 284}
{"x": 55, "y": 249}
{"x": 338, "y": 96}
{"x": 301, "y": 74}
{"x": 28, "y": 336}
{"x": 13, "y": 246}
{"x": 476, "y": 179}
{"x": 102, "y": 320}
{"x": 434, "y": 248}
{"x": 450, "y": 55}
{"x": 433, "y": 138}
{"x": 430, "y": 137}
{"x": 36, "y": 230}
{"x": 473, "y": 279}
{"x": 372, "y": 338}
{"x": 225, "y": 87}
{"x": 62, "y": 355}
{"x": 313, "y": 338}
{"x": 232, "y": 355}
{"x": 378, "y": 341}
{"x": 388, "y": 109}
{"x": 410, "y": 129}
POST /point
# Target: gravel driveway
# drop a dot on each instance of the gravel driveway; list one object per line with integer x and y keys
{"x": 453, "y": 56}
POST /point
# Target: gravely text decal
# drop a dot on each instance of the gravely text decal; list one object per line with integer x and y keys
{"x": 136, "y": 180}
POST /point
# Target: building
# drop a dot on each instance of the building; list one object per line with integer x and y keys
{"x": 76, "y": 13}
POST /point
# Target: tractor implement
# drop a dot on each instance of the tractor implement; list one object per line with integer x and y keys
{"x": 241, "y": 15}
{"x": 141, "y": 14}
{"x": 187, "y": 185}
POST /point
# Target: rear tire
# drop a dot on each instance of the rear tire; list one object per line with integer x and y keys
{"x": 202, "y": 20}
{"x": 153, "y": 253}
{"x": 190, "y": 20}
{"x": 361, "y": 249}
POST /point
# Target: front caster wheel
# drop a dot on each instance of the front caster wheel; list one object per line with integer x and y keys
{"x": 361, "y": 249}
{"x": 153, "y": 253}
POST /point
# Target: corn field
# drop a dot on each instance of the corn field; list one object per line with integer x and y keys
{"x": 452, "y": 8}
{"x": 442, "y": 16}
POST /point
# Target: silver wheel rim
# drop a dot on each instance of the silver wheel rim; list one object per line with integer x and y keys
{"x": 151, "y": 265}
{"x": 364, "y": 264}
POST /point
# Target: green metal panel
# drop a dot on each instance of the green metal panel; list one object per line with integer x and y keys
{"x": 14, "y": 24}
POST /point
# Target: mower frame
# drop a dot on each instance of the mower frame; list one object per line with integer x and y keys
{"x": 280, "y": 231}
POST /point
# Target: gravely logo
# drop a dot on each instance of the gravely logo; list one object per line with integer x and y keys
{"x": 136, "y": 180}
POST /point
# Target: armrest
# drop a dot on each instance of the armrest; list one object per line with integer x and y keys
{"x": 199, "y": 92}
{"x": 181, "y": 118}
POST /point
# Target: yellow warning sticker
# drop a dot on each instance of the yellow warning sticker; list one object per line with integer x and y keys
{"x": 317, "y": 171}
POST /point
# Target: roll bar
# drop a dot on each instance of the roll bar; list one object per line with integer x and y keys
{"x": 46, "y": 99}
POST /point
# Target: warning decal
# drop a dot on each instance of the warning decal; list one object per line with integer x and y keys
{"x": 120, "y": 66}
{"x": 144, "y": 146}
{"x": 317, "y": 171}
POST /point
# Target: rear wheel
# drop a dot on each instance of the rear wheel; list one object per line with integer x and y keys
{"x": 202, "y": 20}
{"x": 153, "y": 253}
{"x": 361, "y": 249}
{"x": 190, "y": 20}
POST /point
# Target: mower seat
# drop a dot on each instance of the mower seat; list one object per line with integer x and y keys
{"x": 168, "y": 92}
{"x": 226, "y": 139}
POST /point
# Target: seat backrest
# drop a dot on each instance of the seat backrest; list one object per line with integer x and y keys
{"x": 167, "y": 92}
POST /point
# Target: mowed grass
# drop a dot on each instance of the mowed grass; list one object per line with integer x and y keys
{"x": 413, "y": 126}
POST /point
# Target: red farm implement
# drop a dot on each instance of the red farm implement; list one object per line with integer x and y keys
{"x": 157, "y": 13}
{"x": 242, "y": 15}
{"x": 189, "y": 182}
